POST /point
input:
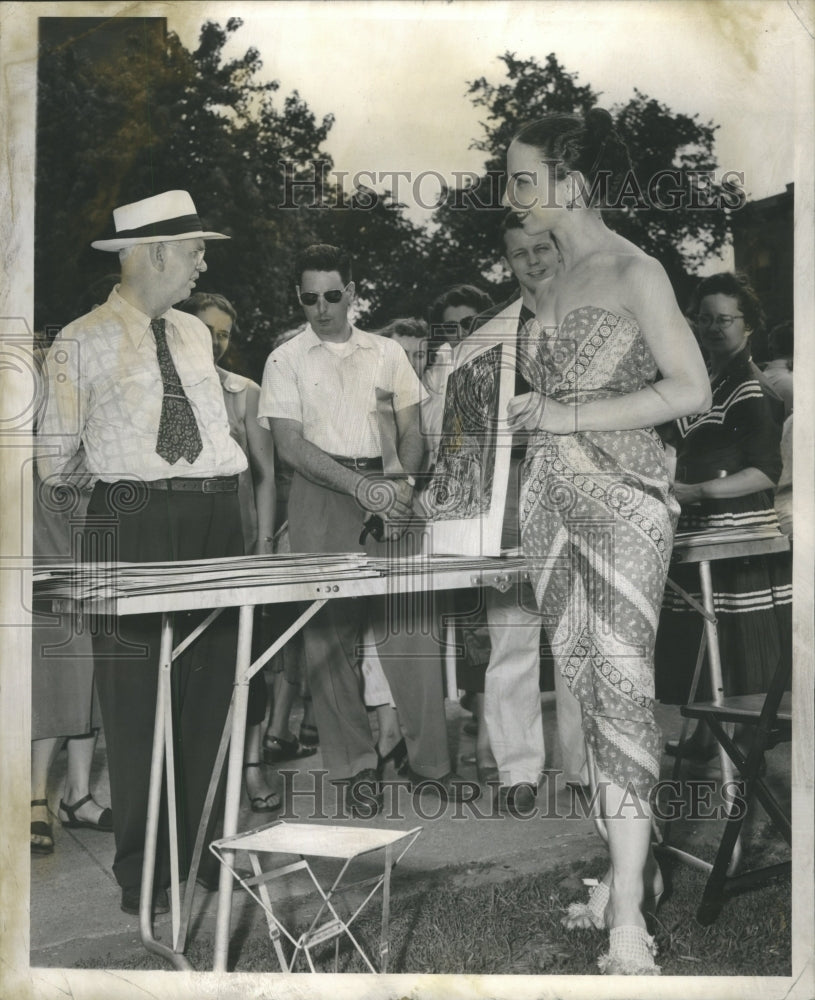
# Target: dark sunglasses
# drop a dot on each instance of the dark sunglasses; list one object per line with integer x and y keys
{"x": 311, "y": 298}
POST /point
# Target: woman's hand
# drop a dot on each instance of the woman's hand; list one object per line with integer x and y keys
{"x": 534, "y": 412}
{"x": 688, "y": 493}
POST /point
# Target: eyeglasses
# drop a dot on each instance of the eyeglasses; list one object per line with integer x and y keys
{"x": 333, "y": 295}
{"x": 723, "y": 321}
{"x": 197, "y": 254}
{"x": 455, "y": 330}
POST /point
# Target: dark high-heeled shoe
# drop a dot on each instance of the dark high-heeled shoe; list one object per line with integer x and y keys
{"x": 276, "y": 749}
{"x": 104, "y": 823}
{"x": 268, "y": 803}
{"x": 397, "y": 755}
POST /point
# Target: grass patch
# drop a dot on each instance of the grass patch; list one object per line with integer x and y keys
{"x": 513, "y": 927}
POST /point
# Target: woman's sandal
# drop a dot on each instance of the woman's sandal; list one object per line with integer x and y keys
{"x": 276, "y": 749}
{"x": 41, "y": 829}
{"x": 591, "y": 914}
{"x": 262, "y": 803}
{"x": 308, "y": 736}
{"x": 631, "y": 952}
{"x": 104, "y": 823}
{"x": 584, "y": 916}
{"x": 398, "y": 755}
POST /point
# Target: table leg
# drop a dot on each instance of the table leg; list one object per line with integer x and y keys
{"x": 451, "y": 681}
{"x": 384, "y": 937}
{"x": 717, "y": 683}
{"x": 233, "y": 783}
{"x": 162, "y": 731}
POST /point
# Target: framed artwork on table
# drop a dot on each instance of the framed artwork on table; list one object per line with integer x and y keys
{"x": 466, "y": 495}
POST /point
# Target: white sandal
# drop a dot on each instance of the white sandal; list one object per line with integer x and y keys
{"x": 631, "y": 953}
{"x": 585, "y": 916}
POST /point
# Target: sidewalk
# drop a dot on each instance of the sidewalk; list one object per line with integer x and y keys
{"x": 75, "y": 914}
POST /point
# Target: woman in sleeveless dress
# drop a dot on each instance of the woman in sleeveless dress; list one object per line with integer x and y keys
{"x": 613, "y": 357}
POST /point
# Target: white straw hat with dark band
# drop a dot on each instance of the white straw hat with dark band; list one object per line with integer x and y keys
{"x": 164, "y": 217}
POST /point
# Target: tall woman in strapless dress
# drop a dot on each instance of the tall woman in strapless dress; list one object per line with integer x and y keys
{"x": 613, "y": 358}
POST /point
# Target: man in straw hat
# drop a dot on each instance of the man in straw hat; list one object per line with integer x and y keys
{"x": 134, "y": 383}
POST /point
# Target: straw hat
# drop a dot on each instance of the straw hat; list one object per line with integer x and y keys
{"x": 167, "y": 216}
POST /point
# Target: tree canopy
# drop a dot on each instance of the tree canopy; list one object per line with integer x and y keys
{"x": 680, "y": 236}
{"x": 126, "y": 111}
{"x": 153, "y": 116}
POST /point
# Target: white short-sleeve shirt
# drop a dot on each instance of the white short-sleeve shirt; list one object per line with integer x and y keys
{"x": 333, "y": 395}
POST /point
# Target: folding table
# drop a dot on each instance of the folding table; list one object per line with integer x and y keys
{"x": 242, "y": 582}
{"x": 702, "y": 553}
{"x": 312, "y": 840}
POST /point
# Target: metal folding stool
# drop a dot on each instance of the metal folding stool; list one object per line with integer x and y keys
{"x": 312, "y": 840}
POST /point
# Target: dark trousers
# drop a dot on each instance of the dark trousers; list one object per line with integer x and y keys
{"x": 406, "y": 634}
{"x": 162, "y": 527}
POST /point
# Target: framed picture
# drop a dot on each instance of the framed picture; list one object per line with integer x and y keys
{"x": 466, "y": 496}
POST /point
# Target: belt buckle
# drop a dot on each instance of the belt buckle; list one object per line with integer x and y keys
{"x": 210, "y": 486}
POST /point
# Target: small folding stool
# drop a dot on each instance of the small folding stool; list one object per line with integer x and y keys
{"x": 311, "y": 840}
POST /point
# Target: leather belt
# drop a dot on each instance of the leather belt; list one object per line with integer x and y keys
{"x": 360, "y": 464}
{"x": 184, "y": 484}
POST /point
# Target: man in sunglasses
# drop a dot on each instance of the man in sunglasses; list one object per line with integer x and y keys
{"x": 321, "y": 392}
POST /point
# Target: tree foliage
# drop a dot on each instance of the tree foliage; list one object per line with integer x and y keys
{"x": 152, "y": 116}
{"x": 126, "y": 111}
{"x": 681, "y": 237}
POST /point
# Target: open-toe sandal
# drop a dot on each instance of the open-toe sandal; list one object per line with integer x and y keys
{"x": 104, "y": 823}
{"x": 41, "y": 829}
{"x": 631, "y": 953}
{"x": 309, "y": 736}
{"x": 276, "y": 750}
{"x": 591, "y": 914}
{"x": 268, "y": 803}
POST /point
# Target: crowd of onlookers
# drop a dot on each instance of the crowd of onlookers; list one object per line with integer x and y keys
{"x": 733, "y": 468}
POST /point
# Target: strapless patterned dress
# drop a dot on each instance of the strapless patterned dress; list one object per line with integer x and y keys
{"x": 597, "y": 523}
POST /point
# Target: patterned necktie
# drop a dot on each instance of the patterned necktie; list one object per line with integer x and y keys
{"x": 178, "y": 434}
{"x": 522, "y": 358}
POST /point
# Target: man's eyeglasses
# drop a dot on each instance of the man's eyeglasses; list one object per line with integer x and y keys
{"x": 723, "y": 321}
{"x": 333, "y": 295}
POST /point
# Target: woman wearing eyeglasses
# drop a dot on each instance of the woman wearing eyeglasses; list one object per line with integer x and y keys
{"x": 728, "y": 463}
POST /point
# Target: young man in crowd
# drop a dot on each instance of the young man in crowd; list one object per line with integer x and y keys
{"x": 512, "y": 707}
{"x": 320, "y": 392}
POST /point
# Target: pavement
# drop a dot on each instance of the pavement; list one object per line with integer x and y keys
{"x": 75, "y": 914}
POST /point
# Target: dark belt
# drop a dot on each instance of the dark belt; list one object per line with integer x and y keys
{"x": 360, "y": 464}
{"x": 185, "y": 484}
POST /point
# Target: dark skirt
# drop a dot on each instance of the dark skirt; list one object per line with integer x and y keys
{"x": 752, "y": 599}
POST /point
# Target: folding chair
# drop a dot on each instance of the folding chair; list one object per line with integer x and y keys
{"x": 310, "y": 840}
{"x": 769, "y": 716}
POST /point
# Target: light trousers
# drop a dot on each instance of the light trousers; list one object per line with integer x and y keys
{"x": 512, "y": 705}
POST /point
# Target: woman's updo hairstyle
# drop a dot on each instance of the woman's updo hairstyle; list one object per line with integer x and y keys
{"x": 589, "y": 144}
{"x": 736, "y": 286}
